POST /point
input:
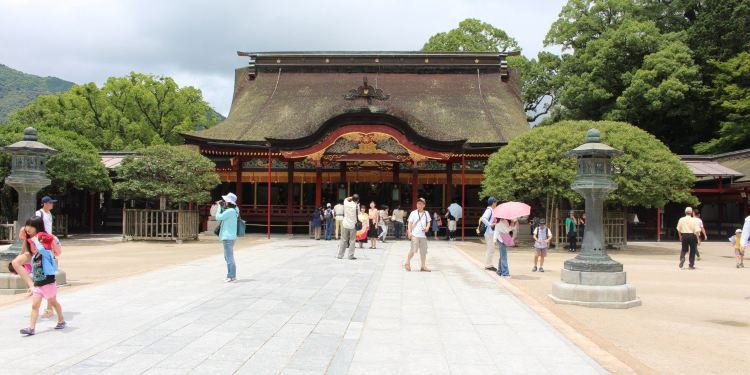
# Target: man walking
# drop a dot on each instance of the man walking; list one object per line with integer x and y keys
{"x": 47, "y": 205}
{"x": 687, "y": 229}
{"x": 338, "y": 211}
{"x": 570, "y": 231}
{"x": 488, "y": 219}
{"x": 418, "y": 225}
{"x": 349, "y": 226}
{"x": 398, "y": 222}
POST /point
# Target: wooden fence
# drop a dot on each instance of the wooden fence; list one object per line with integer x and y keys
{"x": 614, "y": 226}
{"x": 160, "y": 225}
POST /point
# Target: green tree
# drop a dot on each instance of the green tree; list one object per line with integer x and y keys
{"x": 534, "y": 166}
{"x": 471, "y": 35}
{"x": 125, "y": 113}
{"x": 176, "y": 173}
{"x": 540, "y": 83}
{"x": 732, "y": 96}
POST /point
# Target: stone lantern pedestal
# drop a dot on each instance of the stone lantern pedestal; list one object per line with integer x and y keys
{"x": 593, "y": 278}
{"x": 28, "y": 175}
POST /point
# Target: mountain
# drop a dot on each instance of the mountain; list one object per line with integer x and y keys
{"x": 18, "y": 89}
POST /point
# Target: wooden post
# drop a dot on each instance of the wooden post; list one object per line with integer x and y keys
{"x": 255, "y": 194}
{"x": 268, "y": 202}
{"x": 289, "y": 196}
{"x": 414, "y": 185}
{"x": 463, "y": 194}
{"x": 238, "y": 181}
{"x": 92, "y": 208}
{"x": 658, "y": 225}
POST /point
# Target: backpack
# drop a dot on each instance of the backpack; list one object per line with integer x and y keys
{"x": 328, "y": 214}
{"x": 482, "y": 228}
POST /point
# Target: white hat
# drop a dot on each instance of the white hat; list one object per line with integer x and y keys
{"x": 231, "y": 198}
{"x": 328, "y": 205}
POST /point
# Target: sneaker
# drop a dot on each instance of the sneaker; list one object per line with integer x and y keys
{"x": 534, "y": 269}
{"x": 339, "y": 257}
{"x": 490, "y": 268}
{"x": 27, "y": 332}
{"x": 682, "y": 262}
{"x": 61, "y": 325}
{"x": 691, "y": 268}
{"x": 227, "y": 280}
{"x": 738, "y": 265}
{"x": 541, "y": 269}
{"x": 352, "y": 258}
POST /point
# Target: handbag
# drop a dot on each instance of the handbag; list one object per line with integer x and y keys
{"x": 217, "y": 230}
{"x": 358, "y": 224}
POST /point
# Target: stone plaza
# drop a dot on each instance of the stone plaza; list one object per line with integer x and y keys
{"x": 296, "y": 309}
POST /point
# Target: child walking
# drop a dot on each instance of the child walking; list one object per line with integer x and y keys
{"x": 542, "y": 239}
{"x": 43, "y": 270}
{"x": 739, "y": 252}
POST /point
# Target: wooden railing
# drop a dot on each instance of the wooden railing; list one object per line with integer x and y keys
{"x": 159, "y": 225}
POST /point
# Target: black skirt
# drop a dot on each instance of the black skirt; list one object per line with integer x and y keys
{"x": 373, "y": 231}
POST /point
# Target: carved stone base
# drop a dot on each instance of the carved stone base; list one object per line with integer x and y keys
{"x": 595, "y": 289}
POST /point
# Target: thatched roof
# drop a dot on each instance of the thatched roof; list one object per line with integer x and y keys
{"x": 453, "y": 97}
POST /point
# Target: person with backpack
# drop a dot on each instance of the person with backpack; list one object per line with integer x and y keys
{"x": 450, "y": 231}
{"x": 227, "y": 215}
{"x": 488, "y": 224}
{"x": 317, "y": 222}
{"x": 542, "y": 239}
{"x": 328, "y": 217}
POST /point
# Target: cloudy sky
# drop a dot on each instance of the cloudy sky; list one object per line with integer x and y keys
{"x": 196, "y": 41}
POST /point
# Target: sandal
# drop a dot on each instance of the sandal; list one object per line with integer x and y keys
{"x": 425, "y": 269}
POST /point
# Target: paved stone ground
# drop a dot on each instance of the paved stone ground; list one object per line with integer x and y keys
{"x": 296, "y": 309}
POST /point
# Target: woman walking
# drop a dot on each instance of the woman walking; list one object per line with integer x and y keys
{"x": 374, "y": 222}
{"x": 227, "y": 215}
{"x": 504, "y": 239}
{"x": 365, "y": 229}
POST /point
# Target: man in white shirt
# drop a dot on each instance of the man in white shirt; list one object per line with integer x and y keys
{"x": 45, "y": 213}
{"x": 349, "y": 226}
{"x": 338, "y": 212}
{"x": 418, "y": 225}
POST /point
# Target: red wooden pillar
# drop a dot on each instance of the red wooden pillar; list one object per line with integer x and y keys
{"x": 318, "y": 185}
{"x": 289, "y": 196}
{"x": 463, "y": 194}
{"x": 238, "y": 181}
{"x": 449, "y": 183}
{"x": 414, "y": 185}
{"x": 268, "y": 202}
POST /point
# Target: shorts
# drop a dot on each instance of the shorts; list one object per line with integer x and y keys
{"x": 419, "y": 244}
{"x": 452, "y": 225}
{"x": 739, "y": 252}
{"x": 540, "y": 252}
{"x": 45, "y": 291}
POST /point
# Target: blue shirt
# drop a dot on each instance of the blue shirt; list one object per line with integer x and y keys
{"x": 228, "y": 219}
{"x": 49, "y": 268}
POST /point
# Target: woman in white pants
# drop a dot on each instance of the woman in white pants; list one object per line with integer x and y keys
{"x": 488, "y": 218}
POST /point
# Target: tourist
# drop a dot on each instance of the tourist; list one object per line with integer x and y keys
{"x": 328, "y": 216}
{"x": 582, "y": 224}
{"x": 457, "y": 211}
{"x": 364, "y": 231}
{"x": 504, "y": 239}
{"x": 437, "y": 222}
{"x": 338, "y": 211}
{"x": 451, "y": 230}
{"x": 317, "y": 222}
{"x": 542, "y": 239}
{"x": 374, "y": 222}
{"x": 418, "y": 225}
{"x": 38, "y": 245}
{"x": 739, "y": 251}
{"x": 701, "y": 231}
{"x": 348, "y": 226}
{"x": 384, "y": 220}
{"x": 687, "y": 229}
{"x": 398, "y": 222}
{"x": 570, "y": 231}
{"x": 45, "y": 212}
{"x": 488, "y": 219}
{"x": 227, "y": 216}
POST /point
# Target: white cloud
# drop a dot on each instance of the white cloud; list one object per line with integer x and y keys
{"x": 195, "y": 41}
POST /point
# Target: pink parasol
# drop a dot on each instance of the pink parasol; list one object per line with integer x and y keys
{"x": 512, "y": 210}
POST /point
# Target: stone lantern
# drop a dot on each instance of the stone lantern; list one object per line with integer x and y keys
{"x": 28, "y": 175}
{"x": 593, "y": 278}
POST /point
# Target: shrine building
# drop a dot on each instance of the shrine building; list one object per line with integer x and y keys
{"x": 310, "y": 128}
